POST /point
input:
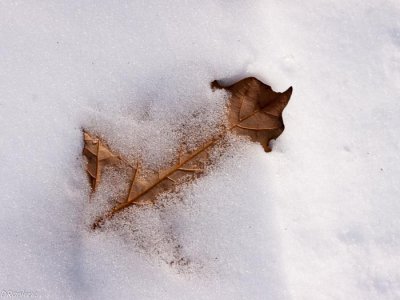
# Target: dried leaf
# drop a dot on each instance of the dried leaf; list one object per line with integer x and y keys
{"x": 98, "y": 155}
{"x": 255, "y": 110}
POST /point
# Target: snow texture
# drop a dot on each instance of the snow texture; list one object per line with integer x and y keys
{"x": 317, "y": 218}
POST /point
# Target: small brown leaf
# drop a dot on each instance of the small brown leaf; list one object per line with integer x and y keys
{"x": 254, "y": 110}
{"x": 98, "y": 155}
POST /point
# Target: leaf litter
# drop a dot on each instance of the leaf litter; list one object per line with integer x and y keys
{"x": 134, "y": 192}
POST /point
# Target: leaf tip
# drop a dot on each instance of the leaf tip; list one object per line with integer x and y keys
{"x": 289, "y": 92}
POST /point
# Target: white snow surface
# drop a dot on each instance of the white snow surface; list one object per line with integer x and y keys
{"x": 317, "y": 218}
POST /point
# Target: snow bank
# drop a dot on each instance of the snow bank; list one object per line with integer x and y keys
{"x": 314, "y": 219}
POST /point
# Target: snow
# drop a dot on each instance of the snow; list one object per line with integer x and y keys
{"x": 317, "y": 218}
